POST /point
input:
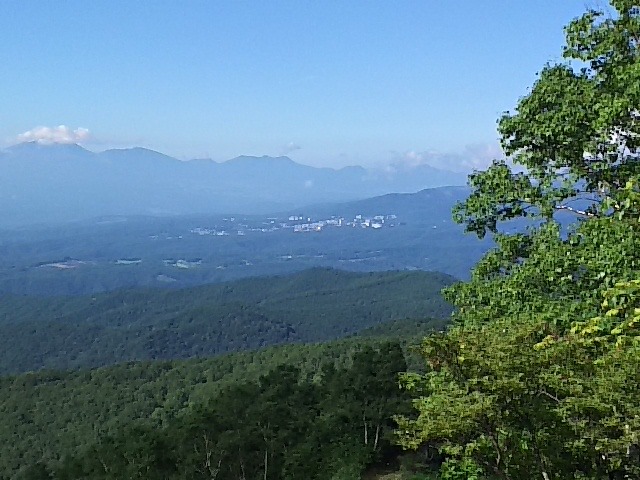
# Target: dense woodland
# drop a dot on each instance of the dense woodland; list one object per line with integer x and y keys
{"x": 311, "y": 306}
{"x": 121, "y": 414}
{"x": 536, "y": 376}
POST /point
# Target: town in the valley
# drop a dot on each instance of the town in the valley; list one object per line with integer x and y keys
{"x": 297, "y": 224}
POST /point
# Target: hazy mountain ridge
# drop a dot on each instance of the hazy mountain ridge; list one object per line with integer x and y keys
{"x": 58, "y": 183}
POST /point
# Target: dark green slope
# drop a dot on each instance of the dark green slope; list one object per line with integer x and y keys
{"x": 309, "y": 306}
{"x": 405, "y": 328}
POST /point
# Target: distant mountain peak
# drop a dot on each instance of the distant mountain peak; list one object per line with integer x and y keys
{"x": 260, "y": 160}
{"x": 137, "y": 155}
{"x": 135, "y": 150}
{"x": 34, "y": 146}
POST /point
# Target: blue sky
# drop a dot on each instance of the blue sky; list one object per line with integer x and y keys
{"x": 330, "y": 83}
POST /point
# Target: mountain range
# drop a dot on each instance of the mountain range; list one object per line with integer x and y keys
{"x": 60, "y": 183}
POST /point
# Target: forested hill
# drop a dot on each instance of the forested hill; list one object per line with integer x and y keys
{"x": 149, "y": 419}
{"x": 309, "y": 306}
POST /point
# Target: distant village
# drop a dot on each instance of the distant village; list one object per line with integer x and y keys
{"x": 298, "y": 224}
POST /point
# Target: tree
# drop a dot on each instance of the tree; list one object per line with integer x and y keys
{"x": 576, "y": 133}
{"x": 539, "y": 375}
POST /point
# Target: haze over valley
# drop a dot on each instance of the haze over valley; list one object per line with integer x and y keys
{"x": 390, "y": 232}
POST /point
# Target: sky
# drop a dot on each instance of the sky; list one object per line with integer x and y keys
{"x": 328, "y": 83}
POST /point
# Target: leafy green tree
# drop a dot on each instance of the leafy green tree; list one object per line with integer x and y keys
{"x": 372, "y": 382}
{"x": 538, "y": 377}
{"x": 136, "y": 452}
{"x": 37, "y": 471}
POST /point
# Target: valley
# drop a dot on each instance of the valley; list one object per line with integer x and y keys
{"x": 416, "y": 233}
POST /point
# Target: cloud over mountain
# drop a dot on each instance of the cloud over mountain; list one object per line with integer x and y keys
{"x": 473, "y": 157}
{"x": 289, "y": 147}
{"x": 49, "y": 135}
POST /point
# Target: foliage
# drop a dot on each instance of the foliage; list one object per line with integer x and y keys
{"x": 285, "y": 425}
{"x": 539, "y": 375}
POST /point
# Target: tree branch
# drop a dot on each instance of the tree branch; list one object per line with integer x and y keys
{"x": 553, "y": 397}
{"x": 581, "y": 213}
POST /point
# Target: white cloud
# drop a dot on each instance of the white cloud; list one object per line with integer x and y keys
{"x": 473, "y": 157}
{"x": 289, "y": 147}
{"x": 59, "y": 134}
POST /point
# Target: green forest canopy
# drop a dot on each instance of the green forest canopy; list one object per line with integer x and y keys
{"x": 310, "y": 306}
{"x": 67, "y": 422}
